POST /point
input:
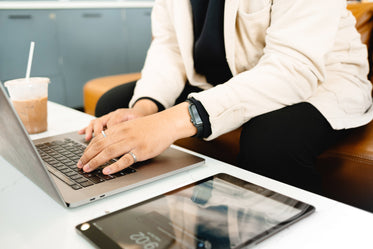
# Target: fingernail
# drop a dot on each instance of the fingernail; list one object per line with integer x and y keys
{"x": 86, "y": 168}
{"x": 80, "y": 164}
{"x": 106, "y": 171}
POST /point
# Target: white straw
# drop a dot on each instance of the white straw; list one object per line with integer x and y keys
{"x": 31, "y": 54}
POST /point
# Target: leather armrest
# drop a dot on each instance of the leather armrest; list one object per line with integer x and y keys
{"x": 363, "y": 13}
{"x": 94, "y": 89}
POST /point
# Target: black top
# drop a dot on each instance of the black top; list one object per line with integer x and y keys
{"x": 209, "y": 50}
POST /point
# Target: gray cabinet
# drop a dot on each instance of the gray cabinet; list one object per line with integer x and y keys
{"x": 17, "y": 30}
{"x": 138, "y": 39}
{"x": 92, "y": 44}
{"x": 73, "y": 46}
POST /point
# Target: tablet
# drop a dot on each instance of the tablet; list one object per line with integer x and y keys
{"x": 221, "y": 211}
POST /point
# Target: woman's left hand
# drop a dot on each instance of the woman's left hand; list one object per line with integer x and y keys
{"x": 144, "y": 137}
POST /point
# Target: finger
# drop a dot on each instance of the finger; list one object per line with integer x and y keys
{"x": 117, "y": 117}
{"x": 98, "y": 128}
{"x": 95, "y": 162}
{"x": 94, "y": 147}
{"x": 124, "y": 162}
{"x": 101, "y": 152}
{"x": 113, "y": 119}
{"x": 82, "y": 131}
{"x": 112, "y": 122}
{"x": 97, "y": 144}
{"x": 89, "y": 130}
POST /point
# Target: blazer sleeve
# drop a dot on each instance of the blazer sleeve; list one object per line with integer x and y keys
{"x": 300, "y": 35}
{"x": 163, "y": 76}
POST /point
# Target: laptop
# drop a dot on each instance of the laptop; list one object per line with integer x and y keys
{"x": 50, "y": 163}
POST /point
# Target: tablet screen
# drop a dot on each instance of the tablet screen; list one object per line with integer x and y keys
{"x": 218, "y": 212}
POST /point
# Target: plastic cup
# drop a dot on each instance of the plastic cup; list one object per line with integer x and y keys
{"x": 29, "y": 97}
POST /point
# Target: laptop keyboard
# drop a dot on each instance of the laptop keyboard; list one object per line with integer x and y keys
{"x": 62, "y": 156}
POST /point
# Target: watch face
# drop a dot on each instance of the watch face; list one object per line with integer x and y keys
{"x": 196, "y": 119}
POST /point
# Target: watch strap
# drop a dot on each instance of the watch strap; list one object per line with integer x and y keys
{"x": 195, "y": 118}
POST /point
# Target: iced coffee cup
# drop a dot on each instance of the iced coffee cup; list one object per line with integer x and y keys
{"x": 29, "y": 97}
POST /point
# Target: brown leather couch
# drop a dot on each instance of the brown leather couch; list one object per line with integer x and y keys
{"x": 346, "y": 168}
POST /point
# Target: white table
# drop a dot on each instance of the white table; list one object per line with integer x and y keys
{"x": 29, "y": 218}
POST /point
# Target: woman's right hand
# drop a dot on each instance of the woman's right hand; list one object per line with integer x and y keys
{"x": 142, "y": 108}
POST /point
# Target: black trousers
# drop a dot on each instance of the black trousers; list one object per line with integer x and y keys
{"x": 282, "y": 144}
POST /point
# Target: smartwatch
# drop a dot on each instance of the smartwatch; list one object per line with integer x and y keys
{"x": 195, "y": 118}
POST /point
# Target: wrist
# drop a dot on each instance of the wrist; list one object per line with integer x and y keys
{"x": 178, "y": 121}
{"x": 145, "y": 107}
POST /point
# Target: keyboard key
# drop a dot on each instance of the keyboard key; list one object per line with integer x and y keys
{"x": 71, "y": 174}
{"x": 76, "y": 186}
{"x": 77, "y": 176}
{"x": 129, "y": 170}
{"x": 61, "y": 176}
{"x": 86, "y": 184}
{"x": 61, "y": 168}
{"x": 81, "y": 180}
{"x": 96, "y": 179}
{"x": 67, "y": 170}
{"x": 108, "y": 177}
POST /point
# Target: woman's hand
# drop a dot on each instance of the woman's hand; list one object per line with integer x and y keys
{"x": 97, "y": 125}
{"x": 142, "y": 108}
{"x": 145, "y": 137}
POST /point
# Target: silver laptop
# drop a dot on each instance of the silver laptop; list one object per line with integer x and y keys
{"x": 51, "y": 163}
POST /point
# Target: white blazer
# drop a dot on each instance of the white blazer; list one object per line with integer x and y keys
{"x": 280, "y": 52}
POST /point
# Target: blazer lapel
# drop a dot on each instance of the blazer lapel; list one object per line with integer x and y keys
{"x": 230, "y": 14}
{"x": 184, "y": 32}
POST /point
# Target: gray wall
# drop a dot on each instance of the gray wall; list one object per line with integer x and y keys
{"x": 73, "y": 46}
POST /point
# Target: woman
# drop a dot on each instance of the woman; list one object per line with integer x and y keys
{"x": 293, "y": 73}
